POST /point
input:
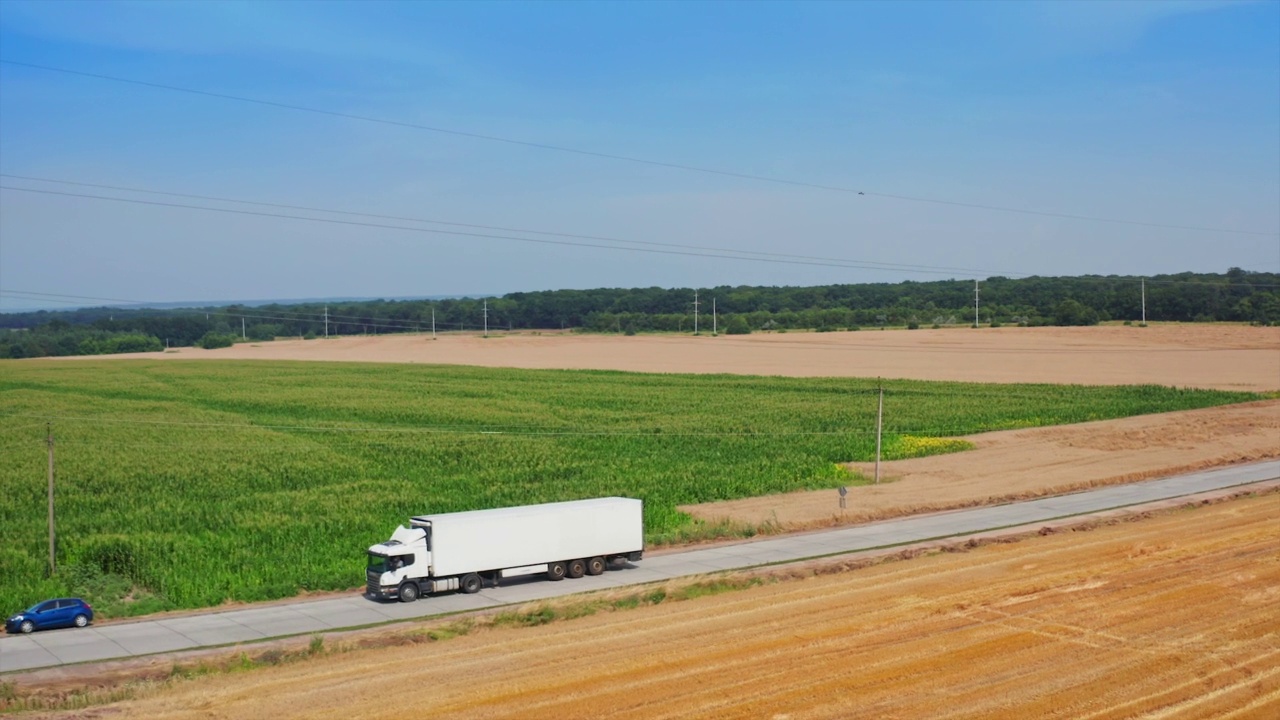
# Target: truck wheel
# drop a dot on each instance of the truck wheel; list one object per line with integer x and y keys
{"x": 81, "y": 620}
{"x": 577, "y": 568}
{"x": 556, "y": 571}
{"x": 595, "y": 566}
{"x": 408, "y": 592}
{"x": 471, "y": 583}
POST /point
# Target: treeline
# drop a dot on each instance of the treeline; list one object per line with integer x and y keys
{"x": 1236, "y": 295}
{"x": 58, "y": 337}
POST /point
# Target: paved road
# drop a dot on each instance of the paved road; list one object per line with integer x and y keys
{"x": 59, "y": 647}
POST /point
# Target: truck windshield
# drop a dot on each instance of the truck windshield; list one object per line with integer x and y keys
{"x": 377, "y": 563}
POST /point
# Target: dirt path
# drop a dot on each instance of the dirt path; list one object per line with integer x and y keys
{"x": 1173, "y": 616}
{"x": 1230, "y": 357}
{"x": 1020, "y": 464}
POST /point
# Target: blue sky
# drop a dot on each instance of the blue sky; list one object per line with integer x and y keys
{"x": 1161, "y": 112}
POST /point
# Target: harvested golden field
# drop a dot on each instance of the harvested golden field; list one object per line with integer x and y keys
{"x": 1170, "y": 617}
{"x": 1225, "y": 357}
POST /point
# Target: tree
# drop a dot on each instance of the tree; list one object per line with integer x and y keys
{"x": 1072, "y": 312}
{"x": 213, "y": 340}
{"x": 737, "y": 325}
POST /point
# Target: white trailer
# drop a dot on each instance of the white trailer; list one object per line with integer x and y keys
{"x": 460, "y": 551}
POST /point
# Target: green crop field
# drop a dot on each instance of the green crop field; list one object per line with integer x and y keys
{"x": 187, "y": 484}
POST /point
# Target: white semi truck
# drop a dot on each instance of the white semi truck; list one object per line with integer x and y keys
{"x": 460, "y": 551}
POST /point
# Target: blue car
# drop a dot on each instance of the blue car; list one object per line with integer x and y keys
{"x": 62, "y": 612}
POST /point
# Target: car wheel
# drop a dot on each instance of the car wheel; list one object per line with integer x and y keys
{"x": 81, "y": 620}
{"x": 27, "y": 627}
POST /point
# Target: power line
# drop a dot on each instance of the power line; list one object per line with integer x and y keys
{"x": 420, "y": 326}
{"x": 250, "y": 314}
{"x": 313, "y": 317}
{"x": 859, "y": 265}
{"x": 630, "y": 159}
{"x": 302, "y": 317}
{"x": 827, "y": 346}
{"x": 693, "y": 251}
{"x": 212, "y": 198}
{"x": 6, "y": 430}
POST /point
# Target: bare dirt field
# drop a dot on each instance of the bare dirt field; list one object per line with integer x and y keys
{"x": 1021, "y": 464}
{"x": 1229, "y": 357}
{"x": 1172, "y": 616}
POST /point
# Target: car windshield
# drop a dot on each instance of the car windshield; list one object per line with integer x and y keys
{"x": 377, "y": 563}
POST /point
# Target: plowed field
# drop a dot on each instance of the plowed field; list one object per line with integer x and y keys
{"x": 1170, "y": 617}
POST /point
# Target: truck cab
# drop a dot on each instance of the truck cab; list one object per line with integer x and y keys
{"x": 396, "y": 566}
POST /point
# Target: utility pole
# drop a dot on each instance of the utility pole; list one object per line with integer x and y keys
{"x": 975, "y": 302}
{"x": 695, "y": 312}
{"x": 433, "y": 323}
{"x": 52, "y": 538}
{"x": 879, "y": 430}
{"x": 326, "y": 319}
{"x": 242, "y": 335}
{"x": 486, "y": 318}
{"x": 1144, "y": 301}
{"x": 714, "y": 327}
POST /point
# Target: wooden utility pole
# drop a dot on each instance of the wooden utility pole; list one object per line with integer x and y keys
{"x": 879, "y": 429}
{"x": 52, "y": 538}
{"x": 975, "y": 302}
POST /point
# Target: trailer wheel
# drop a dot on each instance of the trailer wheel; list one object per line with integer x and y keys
{"x": 408, "y": 592}
{"x": 471, "y": 583}
{"x": 556, "y": 571}
{"x": 595, "y": 566}
{"x": 577, "y": 568}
